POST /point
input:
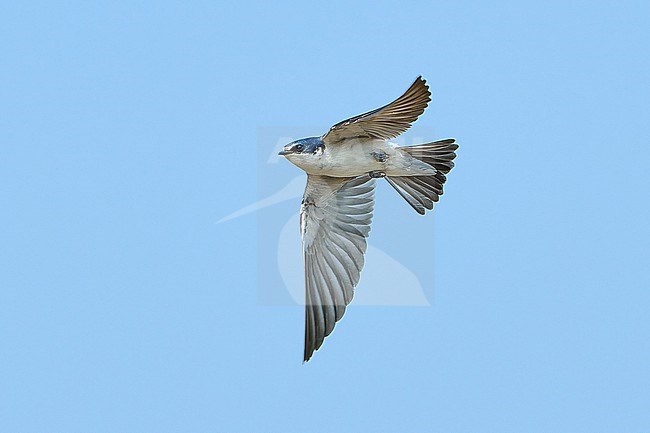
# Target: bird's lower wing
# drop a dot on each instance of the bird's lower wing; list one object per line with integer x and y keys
{"x": 335, "y": 221}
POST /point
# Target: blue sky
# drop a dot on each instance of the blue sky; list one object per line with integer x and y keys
{"x": 127, "y": 130}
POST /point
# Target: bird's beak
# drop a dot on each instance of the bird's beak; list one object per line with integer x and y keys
{"x": 285, "y": 152}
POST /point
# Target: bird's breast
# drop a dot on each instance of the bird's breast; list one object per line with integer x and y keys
{"x": 352, "y": 159}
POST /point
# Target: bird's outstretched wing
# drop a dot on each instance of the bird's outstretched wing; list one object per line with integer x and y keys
{"x": 334, "y": 221}
{"x": 386, "y": 122}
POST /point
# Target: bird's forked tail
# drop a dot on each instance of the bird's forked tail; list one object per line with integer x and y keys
{"x": 421, "y": 192}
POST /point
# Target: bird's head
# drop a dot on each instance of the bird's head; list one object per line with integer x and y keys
{"x": 302, "y": 152}
{"x": 305, "y": 146}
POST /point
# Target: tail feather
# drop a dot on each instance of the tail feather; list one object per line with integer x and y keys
{"x": 421, "y": 192}
{"x": 414, "y": 195}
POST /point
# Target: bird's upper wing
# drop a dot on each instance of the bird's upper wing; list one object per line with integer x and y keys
{"x": 334, "y": 221}
{"x": 386, "y": 122}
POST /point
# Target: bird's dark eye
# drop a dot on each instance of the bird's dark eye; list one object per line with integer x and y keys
{"x": 299, "y": 147}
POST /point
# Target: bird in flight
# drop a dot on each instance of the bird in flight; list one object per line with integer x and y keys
{"x": 338, "y": 202}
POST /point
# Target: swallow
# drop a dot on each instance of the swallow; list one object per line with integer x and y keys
{"x": 337, "y": 206}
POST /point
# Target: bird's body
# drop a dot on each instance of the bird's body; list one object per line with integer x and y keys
{"x": 338, "y": 203}
{"x": 358, "y": 157}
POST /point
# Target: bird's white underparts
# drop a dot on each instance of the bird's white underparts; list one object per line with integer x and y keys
{"x": 338, "y": 202}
